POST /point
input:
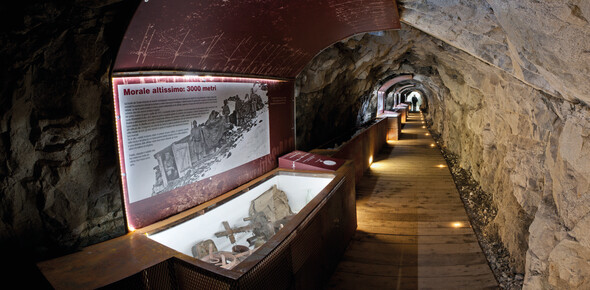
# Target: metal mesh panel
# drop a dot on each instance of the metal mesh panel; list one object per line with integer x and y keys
{"x": 320, "y": 245}
{"x": 192, "y": 277}
{"x": 307, "y": 243}
{"x": 272, "y": 272}
{"x": 158, "y": 276}
{"x": 308, "y": 255}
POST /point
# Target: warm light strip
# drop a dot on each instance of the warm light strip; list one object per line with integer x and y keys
{"x": 172, "y": 73}
{"x": 457, "y": 224}
{"x": 120, "y": 153}
{"x": 190, "y": 78}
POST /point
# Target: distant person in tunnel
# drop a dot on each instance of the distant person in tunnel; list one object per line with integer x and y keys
{"x": 414, "y": 102}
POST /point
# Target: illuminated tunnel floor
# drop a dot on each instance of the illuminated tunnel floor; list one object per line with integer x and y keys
{"x": 413, "y": 231}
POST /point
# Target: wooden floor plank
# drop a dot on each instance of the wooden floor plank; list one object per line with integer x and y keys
{"x": 343, "y": 280}
{"x": 434, "y": 207}
{"x": 450, "y": 226}
{"x": 422, "y": 249}
{"x": 420, "y": 271}
{"x": 411, "y": 217}
{"x": 413, "y": 231}
{"x": 413, "y": 239}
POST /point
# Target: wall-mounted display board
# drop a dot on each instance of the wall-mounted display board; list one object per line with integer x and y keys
{"x": 186, "y": 139}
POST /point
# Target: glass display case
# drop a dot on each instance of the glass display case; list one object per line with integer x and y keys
{"x": 229, "y": 232}
{"x": 284, "y": 230}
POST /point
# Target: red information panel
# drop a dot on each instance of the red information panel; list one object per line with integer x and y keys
{"x": 186, "y": 139}
{"x": 308, "y": 161}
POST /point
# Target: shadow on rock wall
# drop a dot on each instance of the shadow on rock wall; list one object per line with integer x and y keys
{"x": 59, "y": 172}
{"x": 339, "y": 82}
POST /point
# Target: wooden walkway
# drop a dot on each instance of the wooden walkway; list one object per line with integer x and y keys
{"x": 413, "y": 232}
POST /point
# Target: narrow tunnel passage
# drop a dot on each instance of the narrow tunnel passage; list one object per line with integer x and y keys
{"x": 413, "y": 231}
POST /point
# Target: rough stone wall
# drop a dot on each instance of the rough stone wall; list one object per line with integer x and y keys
{"x": 59, "y": 176}
{"x": 339, "y": 81}
{"x": 519, "y": 120}
{"x": 528, "y": 148}
{"x": 545, "y": 44}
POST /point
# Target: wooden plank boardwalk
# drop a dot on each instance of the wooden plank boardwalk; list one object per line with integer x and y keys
{"x": 413, "y": 231}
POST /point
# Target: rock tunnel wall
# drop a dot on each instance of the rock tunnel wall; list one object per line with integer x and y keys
{"x": 341, "y": 80}
{"x": 531, "y": 151}
{"x": 527, "y": 148}
{"x": 59, "y": 174}
{"x": 542, "y": 43}
{"x": 519, "y": 120}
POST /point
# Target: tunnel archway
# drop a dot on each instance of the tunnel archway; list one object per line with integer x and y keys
{"x": 386, "y": 98}
{"x": 399, "y": 89}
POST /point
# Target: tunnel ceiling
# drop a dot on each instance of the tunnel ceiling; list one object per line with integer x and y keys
{"x": 252, "y": 37}
{"x": 545, "y": 44}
